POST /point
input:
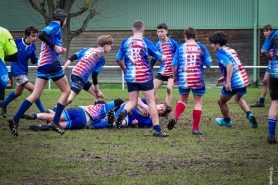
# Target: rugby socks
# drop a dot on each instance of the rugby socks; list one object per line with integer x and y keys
{"x": 39, "y": 105}
{"x": 271, "y": 126}
{"x": 179, "y": 109}
{"x": 196, "y": 119}
{"x": 261, "y": 100}
{"x": 35, "y": 116}
{"x": 10, "y": 98}
{"x": 248, "y": 113}
{"x": 157, "y": 128}
{"x": 58, "y": 113}
{"x": 227, "y": 120}
{"x": 22, "y": 109}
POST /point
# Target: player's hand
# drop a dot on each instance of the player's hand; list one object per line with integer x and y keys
{"x": 228, "y": 86}
{"x": 60, "y": 49}
{"x": 221, "y": 80}
{"x": 146, "y": 111}
{"x": 163, "y": 58}
{"x": 100, "y": 95}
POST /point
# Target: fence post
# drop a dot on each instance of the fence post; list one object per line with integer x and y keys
{"x": 123, "y": 81}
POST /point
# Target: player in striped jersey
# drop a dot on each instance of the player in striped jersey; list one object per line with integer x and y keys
{"x": 188, "y": 74}
{"x": 90, "y": 60}
{"x": 235, "y": 78}
{"x": 166, "y": 46}
{"x": 267, "y": 30}
{"x": 138, "y": 73}
{"x": 49, "y": 67}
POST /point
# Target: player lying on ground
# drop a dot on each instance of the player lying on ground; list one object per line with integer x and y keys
{"x": 137, "y": 117}
{"x": 77, "y": 117}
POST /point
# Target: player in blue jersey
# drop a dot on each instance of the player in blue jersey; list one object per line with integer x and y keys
{"x": 166, "y": 46}
{"x": 137, "y": 70}
{"x": 235, "y": 78}
{"x": 8, "y": 46}
{"x": 188, "y": 74}
{"x": 75, "y": 117}
{"x": 90, "y": 61}
{"x": 272, "y": 43}
{"x": 267, "y": 30}
{"x": 26, "y": 50}
{"x": 49, "y": 67}
{"x": 135, "y": 118}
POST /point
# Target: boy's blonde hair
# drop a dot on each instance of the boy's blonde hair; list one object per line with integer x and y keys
{"x": 104, "y": 39}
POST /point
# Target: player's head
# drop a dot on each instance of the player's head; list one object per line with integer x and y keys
{"x": 60, "y": 15}
{"x": 31, "y": 34}
{"x": 163, "y": 109}
{"x": 189, "y": 33}
{"x": 217, "y": 40}
{"x": 267, "y": 29}
{"x": 138, "y": 26}
{"x": 162, "y": 31}
{"x": 105, "y": 41}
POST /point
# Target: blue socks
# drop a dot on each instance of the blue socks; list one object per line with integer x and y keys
{"x": 271, "y": 126}
{"x": 22, "y": 109}
{"x": 157, "y": 128}
{"x": 58, "y": 113}
{"x": 227, "y": 120}
{"x": 10, "y": 98}
{"x": 248, "y": 113}
{"x": 261, "y": 100}
{"x": 39, "y": 105}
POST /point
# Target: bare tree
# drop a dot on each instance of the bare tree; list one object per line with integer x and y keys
{"x": 47, "y": 7}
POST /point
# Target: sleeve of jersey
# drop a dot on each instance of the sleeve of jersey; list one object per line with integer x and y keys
{"x": 121, "y": 52}
{"x": 176, "y": 58}
{"x": 10, "y": 46}
{"x": 175, "y": 45}
{"x": 33, "y": 55}
{"x": 80, "y": 53}
{"x": 144, "y": 101}
{"x": 223, "y": 59}
{"x": 52, "y": 29}
{"x": 268, "y": 67}
{"x": 206, "y": 56}
{"x": 152, "y": 50}
{"x": 267, "y": 46}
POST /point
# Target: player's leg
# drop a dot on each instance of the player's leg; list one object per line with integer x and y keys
{"x": 273, "y": 110}
{"x": 77, "y": 85}
{"x": 261, "y": 101}
{"x": 224, "y": 97}
{"x": 39, "y": 87}
{"x": 169, "y": 91}
{"x": 20, "y": 82}
{"x": 197, "y": 111}
{"x": 243, "y": 105}
{"x": 157, "y": 83}
{"x": 180, "y": 107}
{"x": 30, "y": 87}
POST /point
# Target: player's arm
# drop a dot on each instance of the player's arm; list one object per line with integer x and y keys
{"x": 174, "y": 66}
{"x": 121, "y": 64}
{"x": 206, "y": 56}
{"x": 153, "y": 61}
{"x": 266, "y": 54}
{"x": 69, "y": 61}
{"x": 43, "y": 36}
{"x": 11, "y": 58}
{"x": 95, "y": 82}
{"x": 229, "y": 69}
{"x": 267, "y": 46}
{"x": 34, "y": 59}
{"x": 11, "y": 49}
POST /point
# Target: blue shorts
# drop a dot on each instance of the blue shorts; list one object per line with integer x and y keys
{"x": 197, "y": 92}
{"x": 75, "y": 118}
{"x": 51, "y": 71}
{"x": 240, "y": 91}
{"x": 77, "y": 84}
{"x": 140, "y": 86}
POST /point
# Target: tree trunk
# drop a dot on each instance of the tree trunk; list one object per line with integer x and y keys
{"x": 66, "y": 43}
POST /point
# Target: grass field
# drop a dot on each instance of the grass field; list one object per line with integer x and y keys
{"x": 236, "y": 155}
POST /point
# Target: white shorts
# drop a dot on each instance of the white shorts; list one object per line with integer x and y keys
{"x": 20, "y": 79}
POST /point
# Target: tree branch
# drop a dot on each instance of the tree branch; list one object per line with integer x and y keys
{"x": 50, "y": 7}
{"x": 82, "y": 9}
{"x": 92, "y": 13}
{"x": 40, "y": 9}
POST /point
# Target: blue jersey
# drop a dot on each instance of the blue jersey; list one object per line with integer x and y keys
{"x": 135, "y": 51}
{"x": 226, "y": 56}
{"x": 96, "y": 112}
{"x": 143, "y": 122}
{"x": 88, "y": 60}
{"x": 100, "y": 65}
{"x": 48, "y": 55}
{"x": 189, "y": 59}
{"x": 25, "y": 52}
{"x": 167, "y": 48}
{"x": 272, "y": 43}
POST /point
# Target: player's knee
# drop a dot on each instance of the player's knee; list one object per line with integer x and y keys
{"x": 169, "y": 90}
{"x": 265, "y": 82}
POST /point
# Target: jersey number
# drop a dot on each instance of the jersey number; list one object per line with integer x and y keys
{"x": 191, "y": 59}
